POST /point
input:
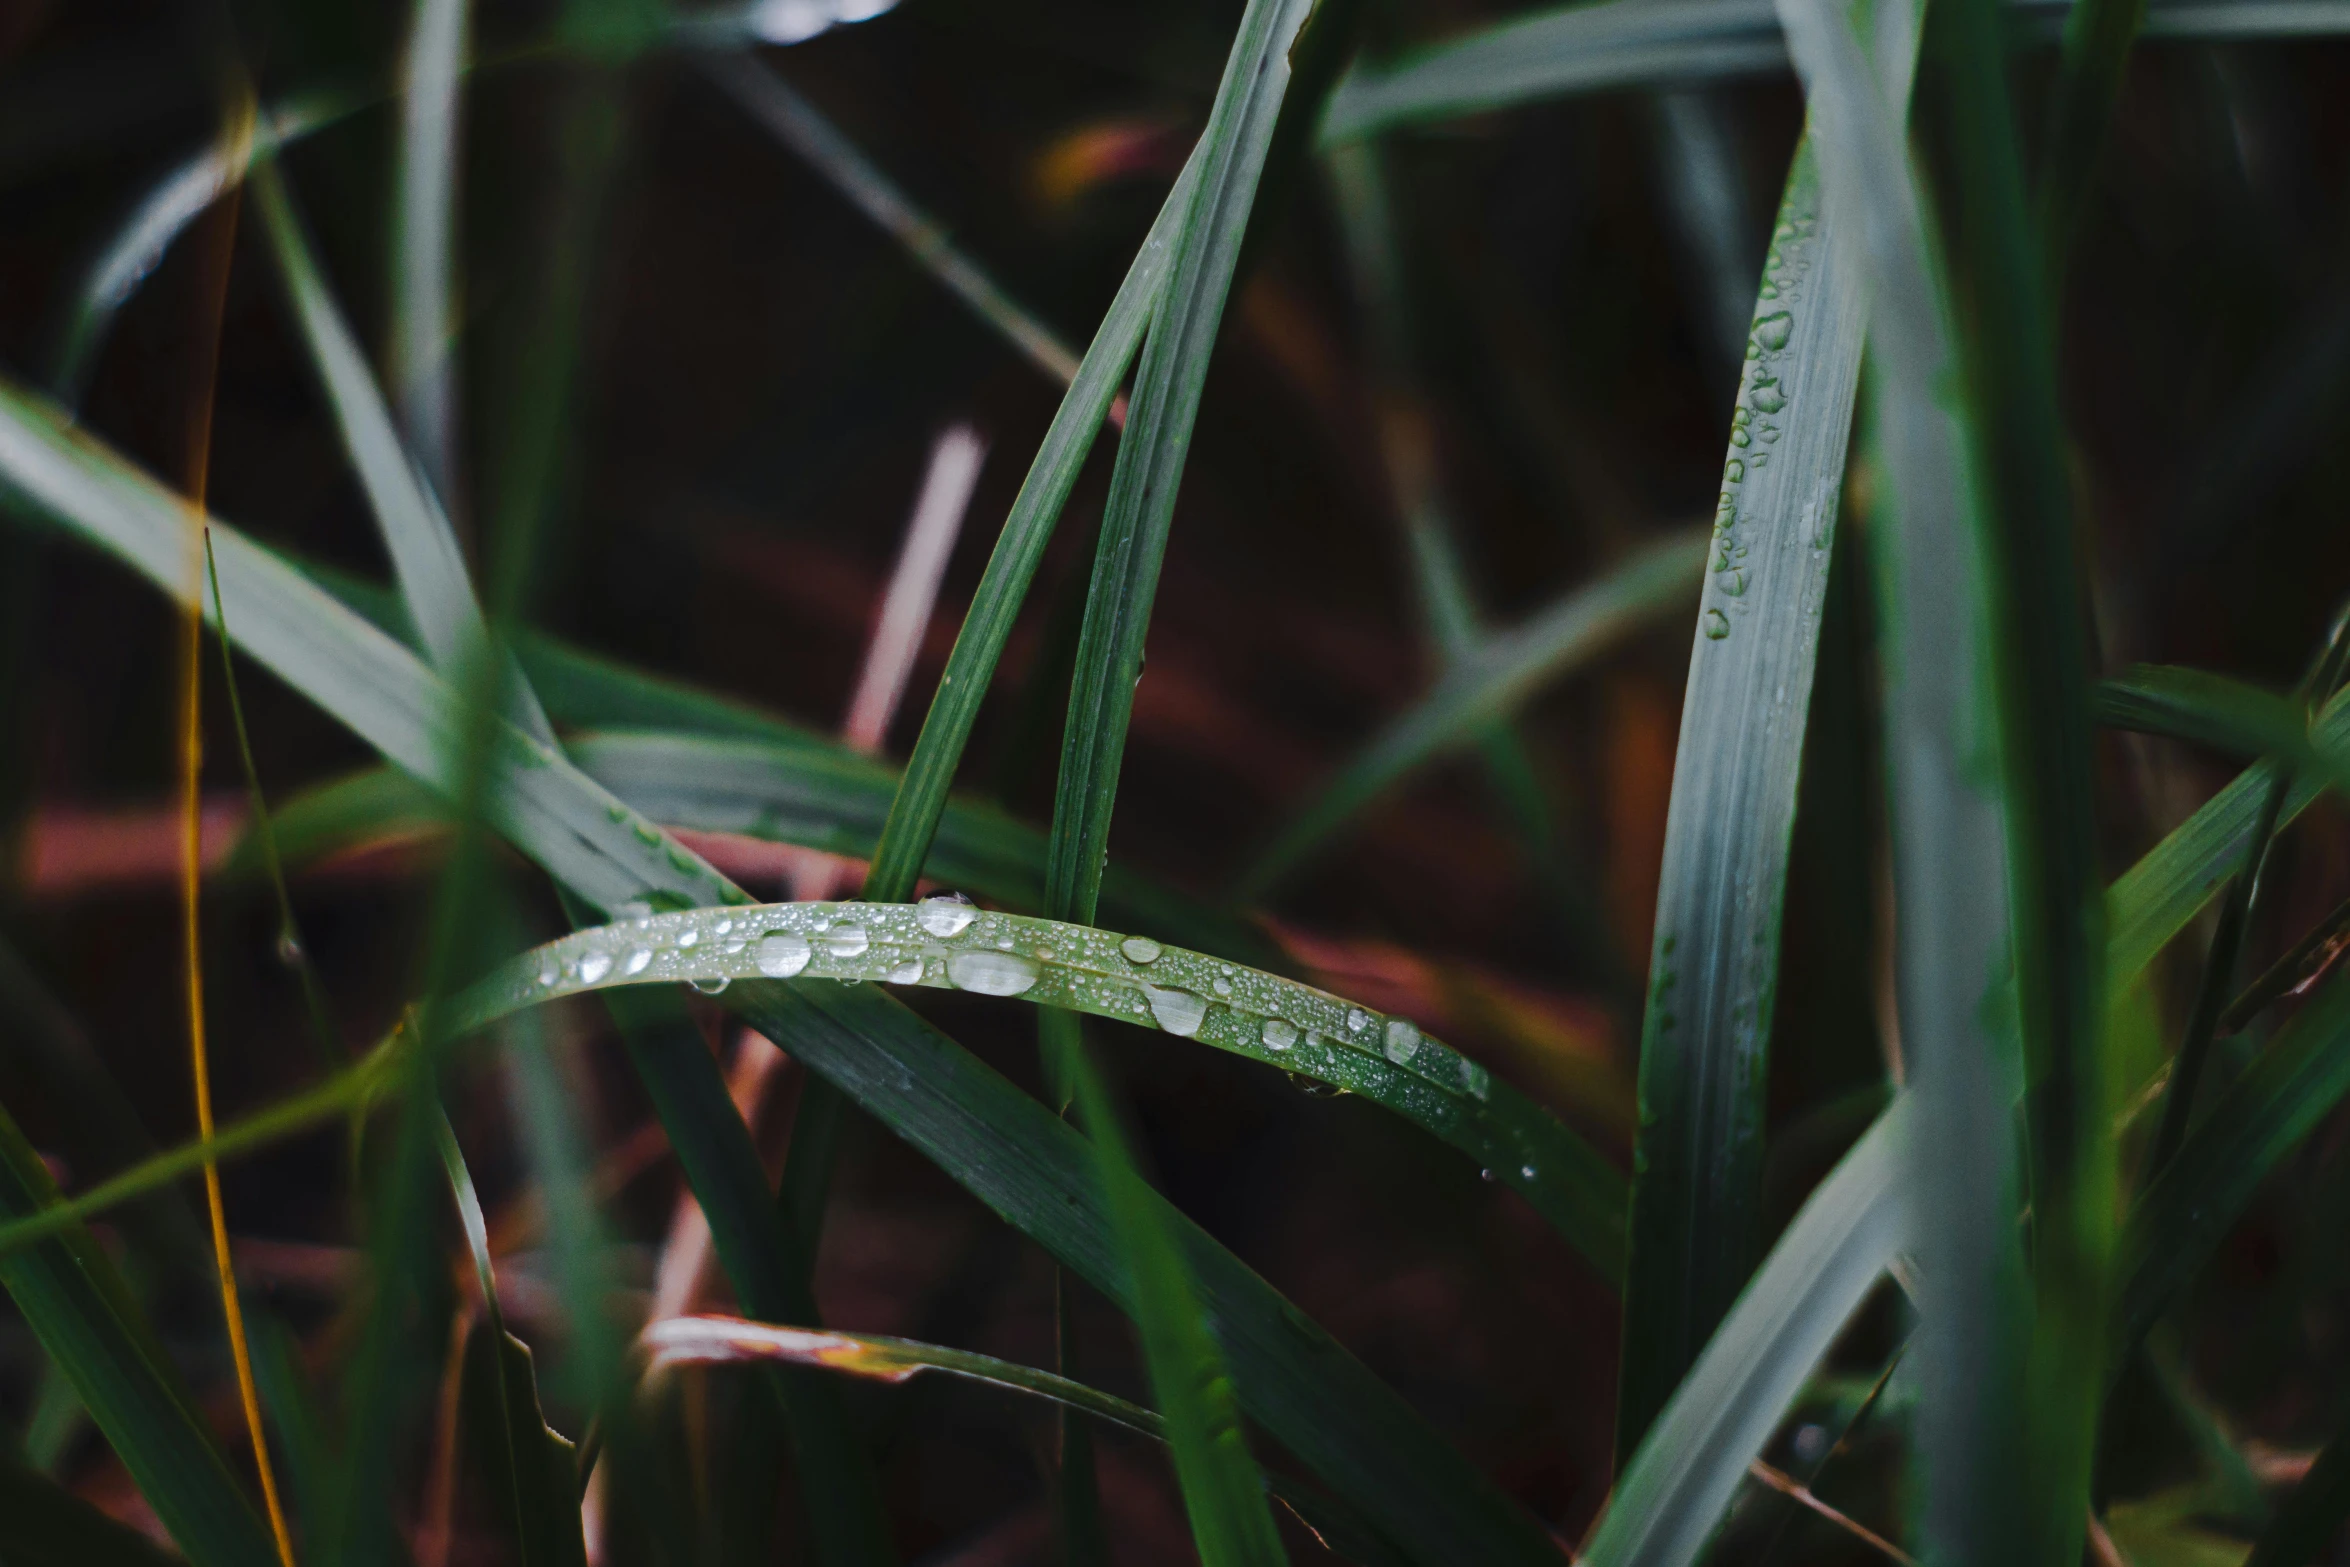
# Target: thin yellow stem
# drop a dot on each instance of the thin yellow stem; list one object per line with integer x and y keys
{"x": 237, "y": 134}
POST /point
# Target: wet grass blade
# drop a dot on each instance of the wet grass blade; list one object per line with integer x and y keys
{"x": 1714, "y": 955}
{"x": 1486, "y": 684}
{"x": 1695, "y": 1455}
{"x": 1168, "y": 380}
{"x": 1650, "y": 43}
{"x": 1225, "y": 1500}
{"x": 44, "y": 1525}
{"x": 722, "y": 1341}
{"x": 68, "y": 1293}
{"x": 1012, "y": 1153}
{"x": 424, "y": 244}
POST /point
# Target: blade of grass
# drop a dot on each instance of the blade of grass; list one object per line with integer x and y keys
{"x": 1950, "y": 881}
{"x": 1695, "y": 1455}
{"x": 1222, "y": 1494}
{"x": 424, "y": 245}
{"x": 70, "y": 1296}
{"x": 979, "y": 1128}
{"x": 1169, "y": 378}
{"x": 2097, "y": 39}
{"x": 44, "y": 1525}
{"x": 1714, "y": 954}
{"x": 1486, "y": 684}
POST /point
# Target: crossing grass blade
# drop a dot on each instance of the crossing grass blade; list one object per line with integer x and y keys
{"x": 424, "y": 244}
{"x": 1649, "y": 43}
{"x": 1942, "y": 714}
{"x": 1695, "y": 1455}
{"x": 1011, "y": 1153}
{"x": 1222, "y": 1495}
{"x": 69, "y": 1294}
{"x": 1714, "y": 953}
{"x": 1486, "y": 683}
{"x": 1169, "y": 377}
{"x": 44, "y": 1525}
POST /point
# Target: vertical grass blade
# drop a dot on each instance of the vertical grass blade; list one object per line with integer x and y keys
{"x": 1696, "y": 1453}
{"x": 1140, "y": 510}
{"x": 1714, "y": 961}
{"x": 1230, "y": 1523}
{"x": 2097, "y": 39}
{"x": 424, "y": 227}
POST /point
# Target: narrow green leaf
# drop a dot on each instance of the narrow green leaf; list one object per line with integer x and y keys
{"x": 1140, "y": 511}
{"x": 1487, "y": 682}
{"x": 424, "y": 245}
{"x": 44, "y": 1525}
{"x": 1714, "y": 961}
{"x": 1230, "y": 1524}
{"x": 2097, "y": 39}
{"x": 77, "y": 1306}
{"x": 1695, "y": 1455}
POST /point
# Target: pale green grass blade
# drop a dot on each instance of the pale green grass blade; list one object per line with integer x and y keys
{"x": 767, "y": 98}
{"x": 1714, "y": 954}
{"x": 69, "y": 1295}
{"x": 164, "y": 214}
{"x": 1230, "y": 1524}
{"x": 1487, "y": 683}
{"x": 424, "y": 240}
{"x": 720, "y": 1341}
{"x": 1140, "y": 512}
{"x": 44, "y": 1525}
{"x": 435, "y": 587}
{"x": 1010, "y": 1152}
{"x": 946, "y": 945}
{"x": 1648, "y": 43}
{"x": 1949, "y": 842}
{"x": 1019, "y": 550}
{"x": 1694, "y": 1457}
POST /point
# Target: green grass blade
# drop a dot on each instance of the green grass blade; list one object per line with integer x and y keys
{"x": 2097, "y": 39}
{"x": 1714, "y": 959}
{"x": 1694, "y": 1457}
{"x": 767, "y": 98}
{"x": 939, "y": 944}
{"x": 1949, "y": 843}
{"x": 424, "y": 243}
{"x": 434, "y": 585}
{"x": 1485, "y": 684}
{"x": 44, "y": 1525}
{"x": 1230, "y": 1524}
{"x": 69, "y": 1295}
{"x": 1140, "y": 511}
{"x": 1019, "y": 550}
{"x": 982, "y": 1130}
{"x": 1649, "y": 43}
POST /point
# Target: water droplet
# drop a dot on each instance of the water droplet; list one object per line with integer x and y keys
{"x": 548, "y": 972}
{"x": 907, "y": 973}
{"x": 1357, "y": 1020}
{"x": 1772, "y": 331}
{"x": 722, "y": 927}
{"x": 1178, "y": 1011}
{"x": 1476, "y": 1080}
{"x": 992, "y": 973}
{"x": 1403, "y": 1040}
{"x": 1313, "y": 1087}
{"x": 1716, "y": 624}
{"x": 1485, "y": 1175}
{"x": 1140, "y": 949}
{"x": 848, "y": 941}
{"x": 734, "y": 947}
{"x": 945, "y": 914}
{"x": 711, "y": 984}
{"x": 637, "y": 961}
{"x": 594, "y": 966}
{"x": 688, "y": 938}
{"x": 634, "y": 908}
{"x": 1223, "y": 987}
{"x": 1279, "y": 1033}
{"x": 289, "y": 951}
{"x": 782, "y": 954}
{"x": 1767, "y": 398}
{"x": 1527, "y": 1171}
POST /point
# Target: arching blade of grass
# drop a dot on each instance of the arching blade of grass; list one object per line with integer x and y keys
{"x": 1222, "y": 1494}
{"x": 1140, "y": 511}
{"x": 68, "y": 1292}
{"x": 944, "y": 944}
{"x": 44, "y": 1525}
{"x": 724, "y": 1341}
{"x": 766, "y": 97}
{"x": 1648, "y": 43}
{"x": 1943, "y": 718}
{"x": 164, "y": 214}
{"x": 1486, "y": 683}
{"x": 435, "y": 588}
{"x": 1714, "y": 955}
{"x": 983, "y": 1131}
{"x": 424, "y": 243}
{"x": 1695, "y": 1455}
